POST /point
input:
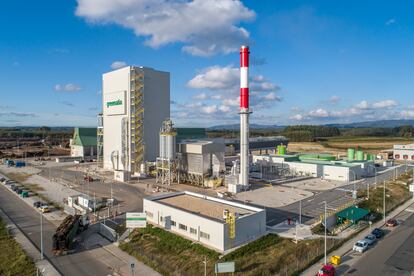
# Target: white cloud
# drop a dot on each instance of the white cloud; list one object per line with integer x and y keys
{"x": 224, "y": 108}
{"x": 118, "y": 64}
{"x": 232, "y": 101}
{"x": 390, "y": 21}
{"x": 319, "y": 113}
{"x": 334, "y": 99}
{"x": 384, "y": 104}
{"x": 362, "y": 105}
{"x": 297, "y": 117}
{"x": 209, "y": 109}
{"x": 69, "y": 87}
{"x": 215, "y": 78}
{"x": 407, "y": 114}
{"x": 271, "y": 97}
{"x": 201, "y": 96}
{"x": 206, "y": 27}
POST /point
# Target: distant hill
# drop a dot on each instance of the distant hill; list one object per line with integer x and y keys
{"x": 252, "y": 126}
{"x": 380, "y": 123}
{"x": 367, "y": 124}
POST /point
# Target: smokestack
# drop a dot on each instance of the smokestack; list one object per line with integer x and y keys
{"x": 244, "y": 115}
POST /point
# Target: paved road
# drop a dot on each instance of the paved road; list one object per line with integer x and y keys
{"x": 312, "y": 207}
{"x": 28, "y": 220}
{"x": 394, "y": 255}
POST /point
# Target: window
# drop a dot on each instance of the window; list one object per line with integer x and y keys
{"x": 182, "y": 227}
{"x": 412, "y": 157}
{"x": 204, "y": 235}
{"x": 405, "y": 157}
{"x": 149, "y": 214}
{"x": 161, "y": 219}
{"x": 193, "y": 231}
{"x": 173, "y": 223}
{"x": 397, "y": 156}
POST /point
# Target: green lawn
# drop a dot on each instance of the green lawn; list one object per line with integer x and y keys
{"x": 13, "y": 260}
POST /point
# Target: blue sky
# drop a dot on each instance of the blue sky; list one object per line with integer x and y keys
{"x": 312, "y": 61}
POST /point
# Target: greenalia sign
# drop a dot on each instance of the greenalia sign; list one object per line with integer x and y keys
{"x": 113, "y": 103}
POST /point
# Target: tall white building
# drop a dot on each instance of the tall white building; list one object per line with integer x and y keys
{"x": 136, "y": 100}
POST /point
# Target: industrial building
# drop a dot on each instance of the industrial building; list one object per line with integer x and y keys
{"x": 136, "y": 100}
{"x": 404, "y": 152}
{"x": 266, "y": 144}
{"x": 216, "y": 223}
{"x": 84, "y": 143}
{"x": 324, "y": 166}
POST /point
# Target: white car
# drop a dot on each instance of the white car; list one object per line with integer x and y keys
{"x": 360, "y": 246}
{"x": 370, "y": 239}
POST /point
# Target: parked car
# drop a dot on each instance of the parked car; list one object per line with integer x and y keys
{"x": 327, "y": 270}
{"x": 391, "y": 223}
{"x": 88, "y": 178}
{"x": 37, "y": 204}
{"x": 44, "y": 209}
{"x": 2, "y": 179}
{"x": 378, "y": 233}
{"x": 370, "y": 239}
{"x": 360, "y": 246}
{"x": 14, "y": 187}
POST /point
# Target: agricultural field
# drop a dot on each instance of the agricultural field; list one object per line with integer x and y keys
{"x": 13, "y": 260}
{"x": 339, "y": 145}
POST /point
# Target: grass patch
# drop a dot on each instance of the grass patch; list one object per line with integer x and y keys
{"x": 13, "y": 260}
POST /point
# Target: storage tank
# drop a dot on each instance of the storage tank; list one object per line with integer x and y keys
{"x": 351, "y": 154}
{"x": 168, "y": 136}
{"x": 281, "y": 150}
{"x": 359, "y": 155}
{"x": 371, "y": 157}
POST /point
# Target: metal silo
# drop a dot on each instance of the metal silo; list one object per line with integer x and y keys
{"x": 168, "y": 140}
{"x": 351, "y": 154}
{"x": 359, "y": 155}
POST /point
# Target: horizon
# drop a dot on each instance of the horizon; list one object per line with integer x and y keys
{"x": 311, "y": 63}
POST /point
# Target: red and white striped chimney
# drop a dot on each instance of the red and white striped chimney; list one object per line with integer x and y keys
{"x": 244, "y": 116}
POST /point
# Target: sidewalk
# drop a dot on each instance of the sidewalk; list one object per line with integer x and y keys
{"x": 27, "y": 246}
{"x": 347, "y": 247}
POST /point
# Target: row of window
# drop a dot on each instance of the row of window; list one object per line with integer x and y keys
{"x": 405, "y": 157}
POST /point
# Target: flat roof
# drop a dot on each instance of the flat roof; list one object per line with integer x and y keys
{"x": 205, "y": 206}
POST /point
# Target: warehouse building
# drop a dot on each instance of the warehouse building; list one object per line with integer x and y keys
{"x": 320, "y": 165}
{"x": 216, "y": 223}
{"x": 84, "y": 143}
{"x": 136, "y": 100}
{"x": 404, "y": 152}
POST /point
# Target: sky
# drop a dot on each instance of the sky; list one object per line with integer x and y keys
{"x": 312, "y": 62}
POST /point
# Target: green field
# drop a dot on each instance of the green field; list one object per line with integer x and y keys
{"x": 13, "y": 260}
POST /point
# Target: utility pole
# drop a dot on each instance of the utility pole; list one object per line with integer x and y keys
{"x": 205, "y": 266}
{"x": 384, "y": 201}
{"x": 325, "y": 262}
{"x": 41, "y": 236}
{"x": 300, "y": 211}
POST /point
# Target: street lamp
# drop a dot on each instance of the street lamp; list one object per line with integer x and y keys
{"x": 325, "y": 205}
{"x": 384, "y": 201}
{"x": 41, "y": 236}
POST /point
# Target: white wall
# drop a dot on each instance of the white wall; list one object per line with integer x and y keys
{"x": 113, "y": 83}
{"x": 76, "y": 150}
{"x": 156, "y": 109}
{"x": 248, "y": 228}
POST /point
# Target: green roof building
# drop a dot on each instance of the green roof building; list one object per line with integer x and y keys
{"x": 84, "y": 143}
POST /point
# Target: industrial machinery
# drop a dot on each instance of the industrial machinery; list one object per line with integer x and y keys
{"x": 67, "y": 231}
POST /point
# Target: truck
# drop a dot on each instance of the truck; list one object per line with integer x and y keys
{"x": 65, "y": 234}
{"x": 9, "y": 163}
{"x": 20, "y": 164}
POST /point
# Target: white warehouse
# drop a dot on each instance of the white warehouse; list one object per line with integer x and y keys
{"x": 203, "y": 219}
{"x": 404, "y": 152}
{"x": 136, "y": 100}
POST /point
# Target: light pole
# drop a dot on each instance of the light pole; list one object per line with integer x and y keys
{"x": 300, "y": 212}
{"x": 205, "y": 266}
{"x": 41, "y": 236}
{"x": 354, "y": 194}
{"x": 384, "y": 201}
{"x": 325, "y": 234}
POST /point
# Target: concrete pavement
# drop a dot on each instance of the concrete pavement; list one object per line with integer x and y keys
{"x": 346, "y": 250}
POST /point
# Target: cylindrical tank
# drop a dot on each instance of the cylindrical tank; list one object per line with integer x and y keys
{"x": 359, "y": 155}
{"x": 282, "y": 150}
{"x": 371, "y": 156}
{"x": 168, "y": 140}
{"x": 351, "y": 154}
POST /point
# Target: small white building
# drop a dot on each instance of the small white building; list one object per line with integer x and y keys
{"x": 404, "y": 152}
{"x": 202, "y": 218}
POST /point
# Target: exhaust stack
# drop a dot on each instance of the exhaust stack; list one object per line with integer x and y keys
{"x": 244, "y": 116}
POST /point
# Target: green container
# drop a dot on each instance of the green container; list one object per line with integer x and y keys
{"x": 25, "y": 194}
{"x": 351, "y": 154}
{"x": 360, "y": 155}
{"x": 371, "y": 157}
